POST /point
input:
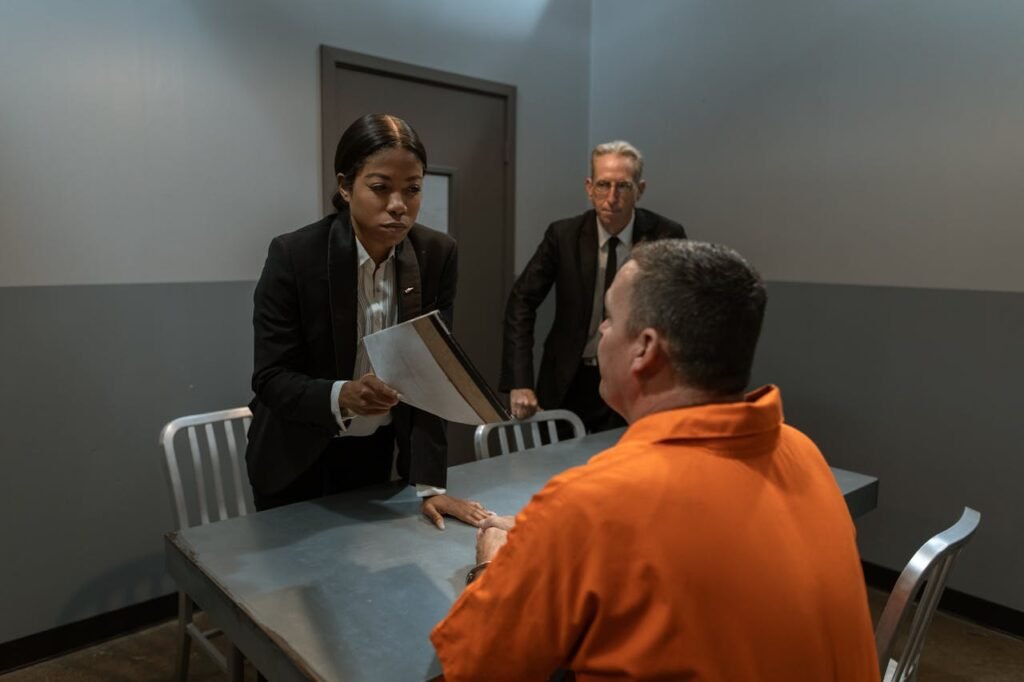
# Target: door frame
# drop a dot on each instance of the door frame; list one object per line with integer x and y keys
{"x": 334, "y": 57}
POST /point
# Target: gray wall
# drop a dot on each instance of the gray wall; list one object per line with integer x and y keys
{"x": 867, "y": 157}
{"x": 150, "y": 152}
{"x": 860, "y": 153}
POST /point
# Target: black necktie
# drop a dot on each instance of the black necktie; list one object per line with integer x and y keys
{"x": 610, "y": 268}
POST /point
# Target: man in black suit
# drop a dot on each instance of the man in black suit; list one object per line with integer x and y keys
{"x": 579, "y": 256}
{"x": 322, "y": 422}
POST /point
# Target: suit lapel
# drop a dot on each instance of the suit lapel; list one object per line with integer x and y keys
{"x": 407, "y": 277}
{"x": 643, "y": 229}
{"x": 587, "y": 250}
{"x": 341, "y": 274}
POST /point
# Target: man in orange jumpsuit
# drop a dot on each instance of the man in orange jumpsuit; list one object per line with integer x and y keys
{"x": 711, "y": 543}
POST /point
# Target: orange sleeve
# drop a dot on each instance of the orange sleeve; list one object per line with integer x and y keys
{"x": 523, "y": 617}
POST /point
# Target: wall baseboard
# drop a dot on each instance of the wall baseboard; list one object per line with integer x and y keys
{"x": 985, "y": 613}
{"x": 64, "y": 639}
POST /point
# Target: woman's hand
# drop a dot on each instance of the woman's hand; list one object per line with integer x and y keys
{"x": 366, "y": 395}
{"x": 436, "y": 507}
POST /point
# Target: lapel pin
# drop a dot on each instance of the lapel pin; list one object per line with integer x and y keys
{"x": 407, "y": 290}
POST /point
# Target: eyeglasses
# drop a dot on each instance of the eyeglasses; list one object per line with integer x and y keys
{"x": 603, "y": 187}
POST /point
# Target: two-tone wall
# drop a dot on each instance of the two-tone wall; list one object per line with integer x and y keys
{"x": 867, "y": 158}
{"x": 148, "y": 154}
{"x": 864, "y": 155}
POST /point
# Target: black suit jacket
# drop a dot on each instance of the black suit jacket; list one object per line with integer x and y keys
{"x": 304, "y": 319}
{"x": 567, "y": 259}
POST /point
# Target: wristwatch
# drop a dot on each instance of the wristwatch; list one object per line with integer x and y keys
{"x": 475, "y": 572}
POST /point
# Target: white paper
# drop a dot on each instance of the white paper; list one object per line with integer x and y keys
{"x": 402, "y": 361}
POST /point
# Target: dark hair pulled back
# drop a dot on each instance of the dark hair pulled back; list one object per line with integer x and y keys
{"x": 365, "y": 137}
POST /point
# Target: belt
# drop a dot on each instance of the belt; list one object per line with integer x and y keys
{"x": 589, "y": 362}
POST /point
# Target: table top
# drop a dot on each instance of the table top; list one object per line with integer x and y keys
{"x": 349, "y": 586}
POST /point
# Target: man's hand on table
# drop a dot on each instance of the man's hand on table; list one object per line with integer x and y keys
{"x": 436, "y": 507}
{"x": 491, "y": 536}
{"x": 504, "y": 523}
{"x": 488, "y": 542}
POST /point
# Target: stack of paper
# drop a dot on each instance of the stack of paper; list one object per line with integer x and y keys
{"x": 423, "y": 362}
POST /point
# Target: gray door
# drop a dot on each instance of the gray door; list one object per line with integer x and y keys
{"x": 467, "y": 126}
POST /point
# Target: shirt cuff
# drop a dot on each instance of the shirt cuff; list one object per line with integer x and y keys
{"x": 342, "y": 420}
{"x": 423, "y": 490}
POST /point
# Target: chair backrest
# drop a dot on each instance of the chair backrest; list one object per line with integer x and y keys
{"x": 526, "y": 433}
{"x": 206, "y": 487}
{"x": 929, "y": 565}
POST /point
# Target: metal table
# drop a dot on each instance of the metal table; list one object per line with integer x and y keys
{"x": 348, "y": 587}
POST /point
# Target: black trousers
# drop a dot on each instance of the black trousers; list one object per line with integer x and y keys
{"x": 584, "y": 398}
{"x": 347, "y": 463}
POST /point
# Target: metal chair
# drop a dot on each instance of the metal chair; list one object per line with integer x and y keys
{"x": 206, "y": 488}
{"x": 519, "y": 429}
{"x": 930, "y": 564}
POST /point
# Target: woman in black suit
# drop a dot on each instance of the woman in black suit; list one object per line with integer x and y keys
{"x": 322, "y": 423}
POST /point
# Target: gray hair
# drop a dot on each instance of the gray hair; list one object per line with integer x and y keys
{"x": 707, "y": 302}
{"x": 620, "y": 148}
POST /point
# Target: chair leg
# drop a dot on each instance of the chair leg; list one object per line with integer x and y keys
{"x": 184, "y": 641}
{"x": 236, "y": 664}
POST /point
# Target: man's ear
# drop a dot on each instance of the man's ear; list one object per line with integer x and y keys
{"x": 640, "y": 187}
{"x": 647, "y": 351}
{"x": 345, "y": 194}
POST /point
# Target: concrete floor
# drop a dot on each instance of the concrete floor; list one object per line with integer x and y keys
{"x": 956, "y": 651}
{"x": 138, "y": 657}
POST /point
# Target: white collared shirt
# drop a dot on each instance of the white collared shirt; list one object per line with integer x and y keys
{"x": 622, "y": 251}
{"x": 376, "y": 309}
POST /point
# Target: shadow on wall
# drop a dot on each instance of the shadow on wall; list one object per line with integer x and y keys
{"x": 123, "y": 585}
